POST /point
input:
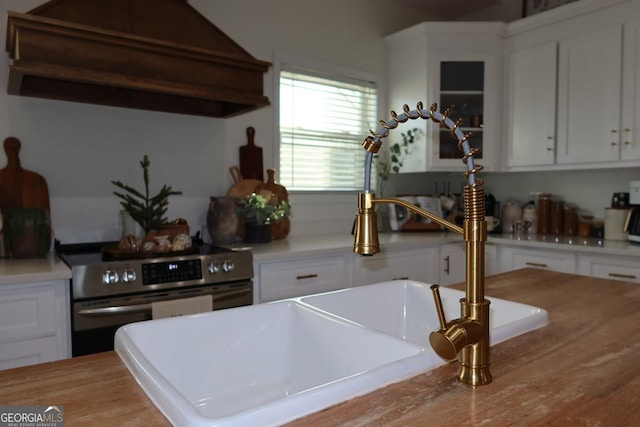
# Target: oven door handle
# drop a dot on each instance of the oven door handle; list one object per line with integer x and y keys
{"x": 143, "y": 308}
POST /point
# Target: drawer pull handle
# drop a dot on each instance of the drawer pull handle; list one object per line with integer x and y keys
{"x": 400, "y": 278}
{"x": 536, "y": 264}
{"x": 306, "y": 276}
{"x": 623, "y": 276}
{"x": 447, "y": 264}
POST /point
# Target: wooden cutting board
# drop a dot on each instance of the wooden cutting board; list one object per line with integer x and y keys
{"x": 20, "y": 188}
{"x": 241, "y": 187}
{"x": 281, "y": 229}
{"x": 251, "y": 158}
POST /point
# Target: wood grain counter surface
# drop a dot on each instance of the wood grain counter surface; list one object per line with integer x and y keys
{"x": 583, "y": 369}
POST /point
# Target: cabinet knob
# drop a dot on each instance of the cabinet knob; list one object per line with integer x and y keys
{"x": 627, "y": 143}
{"x": 549, "y": 149}
{"x": 549, "y": 137}
{"x": 627, "y": 130}
{"x": 614, "y": 131}
{"x": 613, "y": 143}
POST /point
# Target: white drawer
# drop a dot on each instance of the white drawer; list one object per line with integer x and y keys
{"x": 620, "y": 269}
{"x": 516, "y": 258}
{"x": 286, "y": 279}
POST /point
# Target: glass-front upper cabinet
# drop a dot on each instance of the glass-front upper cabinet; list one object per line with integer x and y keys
{"x": 461, "y": 91}
{"x": 457, "y": 65}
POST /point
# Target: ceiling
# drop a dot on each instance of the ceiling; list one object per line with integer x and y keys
{"x": 449, "y": 9}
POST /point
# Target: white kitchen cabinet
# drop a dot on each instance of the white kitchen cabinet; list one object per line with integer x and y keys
{"x": 419, "y": 264}
{"x": 295, "y": 277}
{"x": 531, "y": 107}
{"x": 34, "y": 323}
{"x": 596, "y": 73}
{"x": 630, "y": 137}
{"x": 453, "y": 262}
{"x": 514, "y": 258}
{"x": 458, "y": 66}
{"x": 589, "y": 96}
{"x": 610, "y": 267}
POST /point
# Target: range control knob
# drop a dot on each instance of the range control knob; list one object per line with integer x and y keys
{"x": 213, "y": 268}
{"x": 128, "y": 275}
{"x": 110, "y": 277}
{"x": 228, "y": 266}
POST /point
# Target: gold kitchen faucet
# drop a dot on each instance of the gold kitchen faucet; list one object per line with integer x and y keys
{"x": 468, "y": 335}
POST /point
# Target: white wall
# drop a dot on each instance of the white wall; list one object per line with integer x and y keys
{"x": 80, "y": 148}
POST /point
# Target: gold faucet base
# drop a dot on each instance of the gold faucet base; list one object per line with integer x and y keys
{"x": 474, "y": 375}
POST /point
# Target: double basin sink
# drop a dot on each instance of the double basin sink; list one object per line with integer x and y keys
{"x": 271, "y": 363}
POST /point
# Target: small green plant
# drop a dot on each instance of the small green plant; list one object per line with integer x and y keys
{"x": 255, "y": 209}
{"x": 391, "y": 161}
{"x": 145, "y": 210}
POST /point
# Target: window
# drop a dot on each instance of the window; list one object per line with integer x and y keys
{"x": 324, "y": 117}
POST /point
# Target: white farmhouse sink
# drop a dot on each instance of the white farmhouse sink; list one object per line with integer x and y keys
{"x": 405, "y": 309}
{"x": 260, "y": 365}
{"x": 268, "y": 364}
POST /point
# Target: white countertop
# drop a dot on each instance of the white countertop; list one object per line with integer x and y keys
{"x": 52, "y": 268}
{"x": 317, "y": 245}
{"x": 568, "y": 243}
{"x": 331, "y": 244}
{"x": 32, "y": 270}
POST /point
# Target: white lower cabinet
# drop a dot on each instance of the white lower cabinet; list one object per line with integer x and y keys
{"x": 34, "y": 323}
{"x": 419, "y": 264}
{"x": 514, "y": 258}
{"x": 295, "y": 277}
{"x": 610, "y": 267}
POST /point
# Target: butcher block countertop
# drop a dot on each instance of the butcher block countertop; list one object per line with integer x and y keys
{"x": 583, "y": 369}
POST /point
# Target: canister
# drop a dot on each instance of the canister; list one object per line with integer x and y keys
{"x": 556, "y": 218}
{"x": 584, "y": 227}
{"x": 597, "y": 229}
{"x": 570, "y": 220}
{"x": 544, "y": 212}
{"x": 614, "y": 223}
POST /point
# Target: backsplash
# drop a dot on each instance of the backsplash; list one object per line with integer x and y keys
{"x": 590, "y": 190}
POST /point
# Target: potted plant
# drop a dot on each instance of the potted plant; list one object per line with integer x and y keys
{"x": 259, "y": 213}
{"x": 148, "y": 211}
{"x": 390, "y": 161}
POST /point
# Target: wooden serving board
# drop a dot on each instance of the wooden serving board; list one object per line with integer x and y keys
{"x": 20, "y": 188}
{"x": 241, "y": 187}
{"x": 251, "y": 158}
{"x": 281, "y": 229}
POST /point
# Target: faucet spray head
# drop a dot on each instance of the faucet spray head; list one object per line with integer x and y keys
{"x": 366, "y": 228}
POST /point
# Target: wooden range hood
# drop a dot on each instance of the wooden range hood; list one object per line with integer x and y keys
{"x": 159, "y": 55}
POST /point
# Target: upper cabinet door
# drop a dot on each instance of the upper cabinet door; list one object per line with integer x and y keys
{"x": 630, "y": 149}
{"x": 589, "y": 101}
{"x": 531, "y": 106}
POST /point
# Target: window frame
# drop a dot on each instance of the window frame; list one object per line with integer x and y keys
{"x": 322, "y": 67}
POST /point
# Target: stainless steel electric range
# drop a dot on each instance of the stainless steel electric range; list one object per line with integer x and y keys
{"x": 107, "y": 293}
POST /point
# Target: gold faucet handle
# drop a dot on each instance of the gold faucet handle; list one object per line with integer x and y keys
{"x": 439, "y": 308}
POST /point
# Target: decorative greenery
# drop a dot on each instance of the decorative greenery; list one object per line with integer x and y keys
{"x": 391, "y": 161}
{"x": 255, "y": 209}
{"x": 147, "y": 211}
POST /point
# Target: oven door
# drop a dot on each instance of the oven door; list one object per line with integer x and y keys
{"x": 96, "y": 320}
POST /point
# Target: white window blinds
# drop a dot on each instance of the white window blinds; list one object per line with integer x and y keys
{"x": 323, "y": 120}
